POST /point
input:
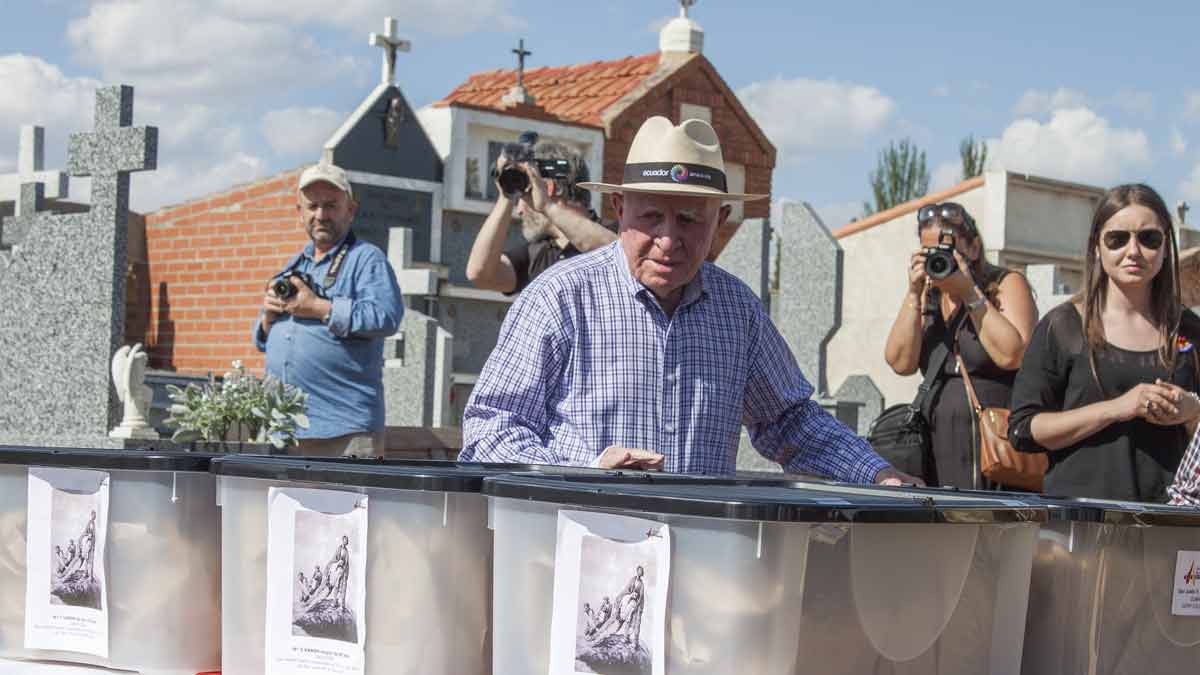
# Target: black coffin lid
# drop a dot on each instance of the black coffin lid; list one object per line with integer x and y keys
{"x": 773, "y": 501}
{"x": 105, "y": 460}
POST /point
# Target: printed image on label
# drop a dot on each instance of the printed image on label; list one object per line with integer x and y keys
{"x": 1185, "y": 600}
{"x": 66, "y": 602}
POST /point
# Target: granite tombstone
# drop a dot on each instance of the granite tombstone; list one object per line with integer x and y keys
{"x": 62, "y": 289}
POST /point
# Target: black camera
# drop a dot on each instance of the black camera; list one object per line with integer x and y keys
{"x": 939, "y": 260}
{"x": 282, "y": 286}
{"x": 514, "y": 181}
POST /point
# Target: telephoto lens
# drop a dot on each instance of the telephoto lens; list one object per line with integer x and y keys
{"x": 283, "y": 288}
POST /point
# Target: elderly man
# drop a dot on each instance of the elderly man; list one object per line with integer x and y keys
{"x": 555, "y": 220}
{"x": 324, "y": 319}
{"x": 643, "y": 355}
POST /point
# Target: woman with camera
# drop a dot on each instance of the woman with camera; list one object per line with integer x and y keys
{"x": 1108, "y": 386}
{"x": 959, "y": 308}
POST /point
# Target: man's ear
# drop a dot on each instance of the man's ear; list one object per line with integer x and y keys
{"x": 617, "y": 201}
{"x": 723, "y": 215}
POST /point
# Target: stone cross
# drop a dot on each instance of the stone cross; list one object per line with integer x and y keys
{"x": 31, "y": 169}
{"x": 684, "y": 6}
{"x": 390, "y": 43}
{"x": 521, "y": 53}
{"x": 1182, "y": 209}
{"x": 31, "y": 201}
{"x": 110, "y": 152}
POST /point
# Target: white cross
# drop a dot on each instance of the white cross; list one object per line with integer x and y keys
{"x": 30, "y": 161}
{"x": 684, "y": 6}
{"x": 390, "y": 43}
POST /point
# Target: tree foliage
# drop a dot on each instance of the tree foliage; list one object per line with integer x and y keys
{"x": 900, "y": 175}
{"x": 974, "y": 156}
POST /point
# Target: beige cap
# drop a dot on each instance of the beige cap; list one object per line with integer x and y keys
{"x": 326, "y": 173}
{"x": 684, "y": 159}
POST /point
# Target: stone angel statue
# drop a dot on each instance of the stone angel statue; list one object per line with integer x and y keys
{"x": 129, "y": 377}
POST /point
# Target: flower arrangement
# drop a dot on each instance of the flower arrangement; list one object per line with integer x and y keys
{"x": 240, "y": 407}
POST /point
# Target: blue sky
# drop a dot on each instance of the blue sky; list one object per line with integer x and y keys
{"x": 1092, "y": 92}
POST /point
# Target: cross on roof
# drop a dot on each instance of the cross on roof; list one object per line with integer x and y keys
{"x": 684, "y": 6}
{"x": 521, "y": 53}
{"x": 30, "y": 169}
{"x": 390, "y": 43}
{"x": 1182, "y": 209}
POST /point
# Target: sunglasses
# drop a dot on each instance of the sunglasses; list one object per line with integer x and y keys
{"x": 948, "y": 213}
{"x": 1115, "y": 240}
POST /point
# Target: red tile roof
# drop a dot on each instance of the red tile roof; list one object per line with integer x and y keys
{"x": 579, "y": 93}
{"x": 854, "y": 227}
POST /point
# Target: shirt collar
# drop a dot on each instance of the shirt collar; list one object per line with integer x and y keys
{"x": 692, "y": 292}
{"x": 310, "y": 250}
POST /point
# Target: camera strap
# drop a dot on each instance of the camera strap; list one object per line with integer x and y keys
{"x": 339, "y": 257}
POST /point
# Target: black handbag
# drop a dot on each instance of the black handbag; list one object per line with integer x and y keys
{"x": 901, "y": 432}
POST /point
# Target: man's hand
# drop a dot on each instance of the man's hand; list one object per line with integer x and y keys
{"x": 894, "y": 478}
{"x": 305, "y": 304}
{"x": 616, "y": 457}
{"x": 536, "y": 198}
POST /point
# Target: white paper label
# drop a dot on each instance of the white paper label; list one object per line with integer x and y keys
{"x": 1186, "y": 599}
{"x": 316, "y": 582}
{"x": 66, "y": 596}
{"x": 610, "y": 594}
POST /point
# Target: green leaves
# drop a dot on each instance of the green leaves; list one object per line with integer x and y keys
{"x": 900, "y": 176}
{"x": 241, "y": 407}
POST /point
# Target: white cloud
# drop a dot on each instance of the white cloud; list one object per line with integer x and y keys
{"x": 941, "y": 91}
{"x": 181, "y": 181}
{"x": 838, "y": 214}
{"x": 198, "y": 52}
{"x": 1179, "y": 144}
{"x": 801, "y": 116}
{"x": 446, "y": 17}
{"x": 1036, "y": 102}
{"x": 39, "y": 93}
{"x": 1076, "y": 145}
{"x": 947, "y": 174}
{"x": 1190, "y": 187}
{"x": 295, "y": 132}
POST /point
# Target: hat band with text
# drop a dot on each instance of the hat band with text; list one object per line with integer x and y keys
{"x": 669, "y": 172}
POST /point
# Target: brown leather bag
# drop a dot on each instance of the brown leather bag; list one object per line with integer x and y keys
{"x": 999, "y": 461}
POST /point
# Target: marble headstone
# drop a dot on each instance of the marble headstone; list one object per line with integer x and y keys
{"x": 861, "y": 389}
{"x": 808, "y": 309}
{"x": 747, "y": 256}
{"x": 31, "y": 160}
{"x": 62, "y": 290}
{"x": 416, "y": 373}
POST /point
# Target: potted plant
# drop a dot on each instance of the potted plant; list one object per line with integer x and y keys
{"x": 240, "y": 413}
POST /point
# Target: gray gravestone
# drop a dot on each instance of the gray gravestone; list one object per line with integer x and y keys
{"x": 382, "y": 208}
{"x": 475, "y": 325}
{"x": 415, "y": 377}
{"x": 62, "y": 291}
{"x": 746, "y": 256}
{"x": 861, "y": 389}
{"x": 31, "y": 159}
{"x": 808, "y": 309}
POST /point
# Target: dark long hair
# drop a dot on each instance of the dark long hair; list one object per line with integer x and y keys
{"x": 1166, "y": 307}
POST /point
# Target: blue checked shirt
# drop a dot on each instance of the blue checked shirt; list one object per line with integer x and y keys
{"x": 1185, "y": 491}
{"x": 588, "y": 359}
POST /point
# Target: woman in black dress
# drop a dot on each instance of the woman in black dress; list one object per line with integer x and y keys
{"x": 1109, "y": 380}
{"x": 985, "y": 311}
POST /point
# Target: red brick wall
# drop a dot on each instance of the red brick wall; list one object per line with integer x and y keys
{"x": 208, "y": 262}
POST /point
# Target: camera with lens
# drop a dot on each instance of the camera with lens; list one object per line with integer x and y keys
{"x": 939, "y": 260}
{"x": 514, "y": 181}
{"x": 282, "y": 286}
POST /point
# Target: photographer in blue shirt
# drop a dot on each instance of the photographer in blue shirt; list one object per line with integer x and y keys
{"x": 324, "y": 320}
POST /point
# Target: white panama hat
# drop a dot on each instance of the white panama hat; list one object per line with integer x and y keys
{"x": 669, "y": 159}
